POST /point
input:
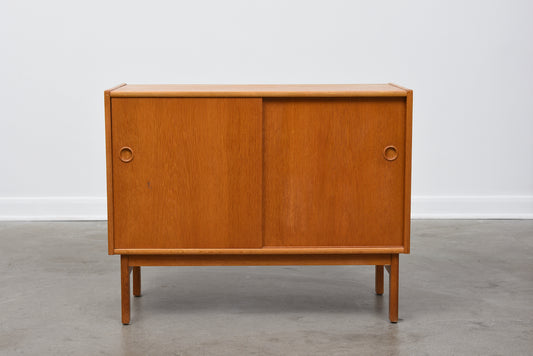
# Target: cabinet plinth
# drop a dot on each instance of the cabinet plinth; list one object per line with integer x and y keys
{"x": 235, "y": 175}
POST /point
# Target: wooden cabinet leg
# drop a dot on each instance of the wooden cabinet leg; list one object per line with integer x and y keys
{"x": 379, "y": 280}
{"x": 394, "y": 277}
{"x": 125, "y": 288}
{"x": 137, "y": 281}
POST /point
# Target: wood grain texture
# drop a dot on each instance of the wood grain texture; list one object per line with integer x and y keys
{"x": 258, "y": 260}
{"x": 258, "y": 90}
{"x": 109, "y": 167}
{"x": 326, "y": 182}
{"x": 195, "y": 177}
{"x": 263, "y": 251}
{"x": 239, "y": 175}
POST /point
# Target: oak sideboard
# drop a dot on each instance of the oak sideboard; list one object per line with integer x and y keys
{"x": 235, "y": 175}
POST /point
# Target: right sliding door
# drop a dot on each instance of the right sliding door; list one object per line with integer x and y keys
{"x": 334, "y": 171}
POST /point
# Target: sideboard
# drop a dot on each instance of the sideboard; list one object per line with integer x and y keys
{"x": 237, "y": 175}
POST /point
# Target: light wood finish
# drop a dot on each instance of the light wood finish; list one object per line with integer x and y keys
{"x": 257, "y": 260}
{"x": 379, "y": 280}
{"x": 394, "y": 276}
{"x": 407, "y": 168}
{"x": 264, "y": 251}
{"x": 237, "y": 175}
{"x": 326, "y": 180}
{"x": 195, "y": 177}
{"x": 261, "y": 90}
{"x": 400, "y": 87}
{"x": 125, "y": 288}
{"x": 109, "y": 167}
{"x": 137, "y": 281}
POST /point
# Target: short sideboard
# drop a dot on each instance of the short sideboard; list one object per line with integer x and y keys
{"x": 238, "y": 175}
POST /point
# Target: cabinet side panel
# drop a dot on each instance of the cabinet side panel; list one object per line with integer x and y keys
{"x": 327, "y": 182}
{"x": 109, "y": 168}
{"x": 109, "y": 173}
{"x": 194, "y": 180}
{"x": 408, "y": 155}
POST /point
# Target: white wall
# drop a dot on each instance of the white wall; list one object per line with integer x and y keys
{"x": 470, "y": 64}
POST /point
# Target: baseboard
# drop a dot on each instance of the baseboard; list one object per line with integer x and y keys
{"x": 472, "y": 207}
{"x": 53, "y": 208}
{"x": 423, "y": 207}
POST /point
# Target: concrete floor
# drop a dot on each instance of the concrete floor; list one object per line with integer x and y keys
{"x": 466, "y": 289}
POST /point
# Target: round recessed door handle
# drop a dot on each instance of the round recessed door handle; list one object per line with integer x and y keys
{"x": 390, "y": 153}
{"x": 126, "y": 154}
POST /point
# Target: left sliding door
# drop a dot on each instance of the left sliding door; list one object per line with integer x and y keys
{"x": 187, "y": 172}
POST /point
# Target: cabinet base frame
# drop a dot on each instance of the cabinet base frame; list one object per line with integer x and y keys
{"x": 133, "y": 263}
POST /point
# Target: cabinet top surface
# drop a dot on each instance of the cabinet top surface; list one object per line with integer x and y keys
{"x": 258, "y": 90}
